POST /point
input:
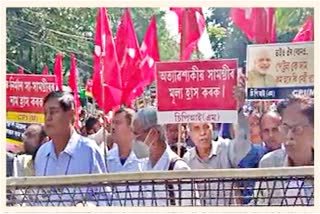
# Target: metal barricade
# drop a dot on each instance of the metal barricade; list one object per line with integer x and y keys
{"x": 267, "y": 187}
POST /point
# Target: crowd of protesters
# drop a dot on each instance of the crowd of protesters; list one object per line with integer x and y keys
{"x": 133, "y": 141}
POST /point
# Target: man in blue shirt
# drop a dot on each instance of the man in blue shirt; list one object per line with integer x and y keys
{"x": 272, "y": 140}
{"x": 67, "y": 153}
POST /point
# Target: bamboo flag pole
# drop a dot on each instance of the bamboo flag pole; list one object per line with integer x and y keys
{"x": 179, "y": 140}
{"x": 182, "y": 41}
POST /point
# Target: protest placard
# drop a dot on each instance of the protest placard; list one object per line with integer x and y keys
{"x": 276, "y": 70}
{"x": 25, "y": 94}
{"x": 196, "y": 91}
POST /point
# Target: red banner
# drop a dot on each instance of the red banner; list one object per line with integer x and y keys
{"x": 25, "y": 93}
{"x": 197, "y": 91}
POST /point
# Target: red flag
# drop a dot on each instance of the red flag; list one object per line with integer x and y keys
{"x": 20, "y": 71}
{"x": 305, "y": 32}
{"x": 58, "y": 70}
{"x": 45, "y": 70}
{"x": 150, "y": 52}
{"x": 191, "y": 25}
{"x": 74, "y": 87}
{"x": 106, "y": 67}
{"x": 258, "y": 24}
{"x": 127, "y": 45}
{"x": 120, "y": 40}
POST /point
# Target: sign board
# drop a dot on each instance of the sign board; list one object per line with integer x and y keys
{"x": 196, "y": 91}
{"x": 275, "y": 71}
{"x": 25, "y": 94}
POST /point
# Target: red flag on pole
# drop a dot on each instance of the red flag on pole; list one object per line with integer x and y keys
{"x": 179, "y": 13}
{"x": 127, "y": 41}
{"x": 305, "y": 32}
{"x": 20, "y": 71}
{"x": 58, "y": 70}
{"x": 150, "y": 52}
{"x": 74, "y": 87}
{"x": 106, "y": 68}
{"x": 258, "y": 24}
{"x": 191, "y": 25}
{"x": 45, "y": 70}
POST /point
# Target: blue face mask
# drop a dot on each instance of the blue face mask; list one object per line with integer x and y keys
{"x": 215, "y": 134}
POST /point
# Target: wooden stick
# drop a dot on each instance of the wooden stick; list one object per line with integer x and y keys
{"x": 179, "y": 140}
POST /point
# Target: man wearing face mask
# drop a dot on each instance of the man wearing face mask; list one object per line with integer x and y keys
{"x": 146, "y": 130}
{"x": 161, "y": 158}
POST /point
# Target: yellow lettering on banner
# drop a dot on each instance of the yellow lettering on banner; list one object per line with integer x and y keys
{"x": 22, "y": 117}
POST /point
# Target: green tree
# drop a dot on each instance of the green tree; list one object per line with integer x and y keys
{"x": 35, "y": 35}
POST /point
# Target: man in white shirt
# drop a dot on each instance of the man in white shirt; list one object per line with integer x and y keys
{"x": 213, "y": 152}
{"x": 123, "y": 158}
{"x": 33, "y": 137}
{"x": 146, "y": 129}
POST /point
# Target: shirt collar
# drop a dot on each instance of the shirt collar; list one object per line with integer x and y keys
{"x": 114, "y": 154}
{"x": 163, "y": 161}
{"x": 70, "y": 147}
{"x": 213, "y": 152}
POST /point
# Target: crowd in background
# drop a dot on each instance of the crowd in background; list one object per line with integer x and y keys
{"x": 276, "y": 135}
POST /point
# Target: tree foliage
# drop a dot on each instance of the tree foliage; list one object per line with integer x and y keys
{"x": 35, "y": 35}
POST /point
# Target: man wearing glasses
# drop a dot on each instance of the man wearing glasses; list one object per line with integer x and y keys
{"x": 297, "y": 126}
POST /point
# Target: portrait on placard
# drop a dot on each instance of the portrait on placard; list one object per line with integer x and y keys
{"x": 275, "y": 71}
{"x": 260, "y": 73}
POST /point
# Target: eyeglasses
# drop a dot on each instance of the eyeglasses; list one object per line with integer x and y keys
{"x": 297, "y": 129}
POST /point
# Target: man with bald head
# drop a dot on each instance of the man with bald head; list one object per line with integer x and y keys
{"x": 260, "y": 75}
{"x": 270, "y": 133}
{"x": 272, "y": 140}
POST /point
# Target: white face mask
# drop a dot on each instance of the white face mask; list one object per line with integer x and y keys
{"x": 215, "y": 134}
{"x": 142, "y": 147}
